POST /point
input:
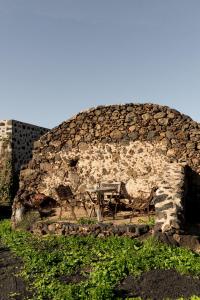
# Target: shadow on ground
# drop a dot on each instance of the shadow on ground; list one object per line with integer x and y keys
{"x": 11, "y": 285}
{"x": 159, "y": 284}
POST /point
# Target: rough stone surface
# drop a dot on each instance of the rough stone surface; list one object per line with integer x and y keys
{"x": 19, "y": 137}
{"x": 98, "y": 230}
{"x": 142, "y": 145}
{"x": 16, "y": 145}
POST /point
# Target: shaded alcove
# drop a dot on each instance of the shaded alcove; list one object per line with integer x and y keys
{"x": 5, "y": 212}
{"x": 192, "y": 197}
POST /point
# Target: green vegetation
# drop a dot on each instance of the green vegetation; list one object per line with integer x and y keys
{"x": 150, "y": 221}
{"x": 87, "y": 221}
{"x": 8, "y": 181}
{"x": 29, "y": 219}
{"x": 104, "y": 262}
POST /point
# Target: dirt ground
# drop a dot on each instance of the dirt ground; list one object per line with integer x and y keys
{"x": 152, "y": 285}
{"x": 122, "y": 217}
{"x": 12, "y": 287}
{"x": 159, "y": 285}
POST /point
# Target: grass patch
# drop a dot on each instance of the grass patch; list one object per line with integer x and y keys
{"x": 109, "y": 260}
{"x": 87, "y": 221}
{"x": 150, "y": 221}
{"x": 29, "y": 219}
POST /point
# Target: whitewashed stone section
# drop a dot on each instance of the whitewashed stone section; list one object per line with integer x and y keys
{"x": 5, "y": 137}
{"x": 139, "y": 165}
{"x": 170, "y": 198}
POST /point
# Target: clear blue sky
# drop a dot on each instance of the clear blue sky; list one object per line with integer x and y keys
{"x": 58, "y": 57}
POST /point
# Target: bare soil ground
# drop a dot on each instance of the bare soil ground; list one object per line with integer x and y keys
{"x": 159, "y": 285}
{"x": 73, "y": 278}
{"x": 12, "y": 287}
{"x": 121, "y": 218}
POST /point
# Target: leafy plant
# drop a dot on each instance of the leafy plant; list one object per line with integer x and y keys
{"x": 87, "y": 221}
{"x": 28, "y": 220}
{"x": 150, "y": 221}
{"x": 103, "y": 262}
{"x": 7, "y": 181}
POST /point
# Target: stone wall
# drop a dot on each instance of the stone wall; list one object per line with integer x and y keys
{"x": 5, "y": 128}
{"x": 23, "y": 137}
{"x": 19, "y": 137}
{"x": 97, "y": 230}
{"x": 16, "y": 144}
{"x": 6, "y": 169}
{"x": 178, "y": 133}
{"x": 142, "y": 145}
{"x": 5, "y": 136}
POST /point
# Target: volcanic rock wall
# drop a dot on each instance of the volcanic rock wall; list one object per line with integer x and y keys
{"x": 16, "y": 144}
{"x": 5, "y": 137}
{"x": 142, "y": 145}
{"x": 23, "y": 136}
{"x": 20, "y": 137}
{"x": 6, "y": 170}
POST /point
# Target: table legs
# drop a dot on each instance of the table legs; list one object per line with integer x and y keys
{"x": 98, "y": 206}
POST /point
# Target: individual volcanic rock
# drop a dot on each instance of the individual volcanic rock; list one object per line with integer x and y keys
{"x": 165, "y": 238}
{"x": 188, "y": 241}
{"x": 159, "y": 115}
{"x": 116, "y": 134}
{"x": 146, "y": 117}
{"x": 191, "y": 145}
{"x": 151, "y": 135}
{"x": 133, "y": 136}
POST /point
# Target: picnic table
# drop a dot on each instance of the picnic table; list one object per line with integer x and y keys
{"x": 97, "y": 196}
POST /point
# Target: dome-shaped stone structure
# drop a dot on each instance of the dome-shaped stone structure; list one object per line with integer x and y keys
{"x": 141, "y": 145}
